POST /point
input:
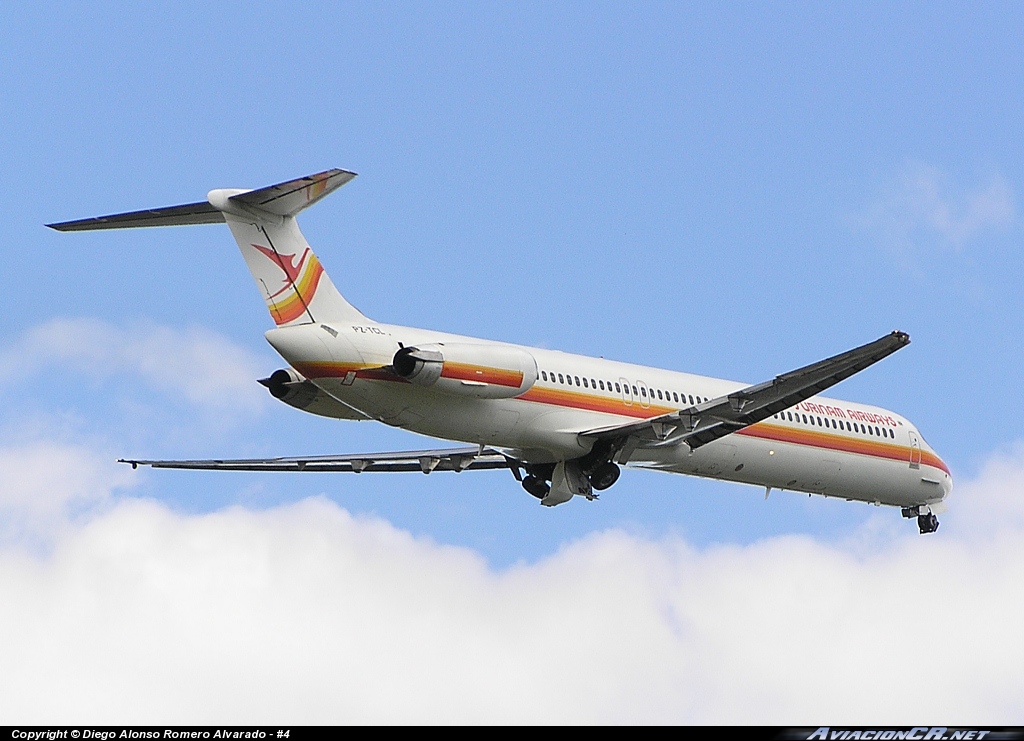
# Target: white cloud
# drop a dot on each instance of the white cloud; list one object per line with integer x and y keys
{"x": 48, "y": 480}
{"x": 922, "y": 207}
{"x": 994, "y": 501}
{"x": 204, "y": 367}
{"x": 46, "y": 486}
{"x": 305, "y": 614}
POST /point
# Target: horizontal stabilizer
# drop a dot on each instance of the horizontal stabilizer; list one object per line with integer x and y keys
{"x": 289, "y": 276}
{"x": 281, "y": 200}
{"x": 288, "y": 198}
{"x": 190, "y": 213}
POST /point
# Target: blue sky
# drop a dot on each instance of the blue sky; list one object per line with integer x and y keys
{"x": 734, "y": 191}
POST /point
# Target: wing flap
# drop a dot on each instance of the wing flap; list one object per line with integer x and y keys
{"x": 426, "y": 461}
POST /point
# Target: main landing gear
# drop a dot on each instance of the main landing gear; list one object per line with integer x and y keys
{"x": 604, "y": 476}
{"x": 536, "y": 486}
{"x": 927, "y": 522}
{"x": 538, "y": 476}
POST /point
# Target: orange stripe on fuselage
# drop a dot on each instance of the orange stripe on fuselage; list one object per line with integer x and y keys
{"x": 841, "y": 443}
{"x": 481, "y": 373}
{"x": 763, "y": 430}
{"x": 612, "y": 405}
{"x": 605, "y": 404}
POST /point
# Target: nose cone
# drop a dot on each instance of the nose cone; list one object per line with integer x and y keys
{"x": 947, "y": 483}
{"x": 299, "y": 345}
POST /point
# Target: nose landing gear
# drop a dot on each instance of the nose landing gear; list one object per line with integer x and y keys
{"x": 927, "y": 522}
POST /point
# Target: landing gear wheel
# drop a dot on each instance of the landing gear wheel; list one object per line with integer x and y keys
{"x": 604, "y": 476}
{"x": 536, "y": 486}
{"x": 928, "y": 523}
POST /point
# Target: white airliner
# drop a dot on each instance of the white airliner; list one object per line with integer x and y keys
{"x": 561, "y": 423}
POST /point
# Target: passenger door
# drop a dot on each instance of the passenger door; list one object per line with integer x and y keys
{"x": 915, "y": 450}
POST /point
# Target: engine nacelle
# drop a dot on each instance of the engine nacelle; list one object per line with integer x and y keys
{"x": 481, "y": 371}
{"x": 295, "y": 390}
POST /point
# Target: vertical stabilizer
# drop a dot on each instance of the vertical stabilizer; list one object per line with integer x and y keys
{"x": 288, "y": 274}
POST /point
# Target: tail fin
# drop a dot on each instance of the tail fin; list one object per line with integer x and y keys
{"x": 289, "y": 276}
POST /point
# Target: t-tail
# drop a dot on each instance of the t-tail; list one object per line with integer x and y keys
{"x": 287, "y": 273}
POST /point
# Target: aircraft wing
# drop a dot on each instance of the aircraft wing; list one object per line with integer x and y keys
{"x": 700, "y": 424}
{"x": 451, "y": 459}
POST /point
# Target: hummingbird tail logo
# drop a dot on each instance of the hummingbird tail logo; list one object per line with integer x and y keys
{"x": 292, "y": 297}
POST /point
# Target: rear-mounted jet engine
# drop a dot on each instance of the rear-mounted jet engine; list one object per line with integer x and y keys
{"x": 481, "y": 371}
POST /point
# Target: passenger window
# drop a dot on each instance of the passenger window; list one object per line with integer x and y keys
{"x": 560, "y": 380}
{"x": 691, "y": 399}
{"x": 659, "y": 393}
{"x": 805, "y": 418}
{"x": 602, "y": 385}
{"x": 635, "y": 392}
{"x": 618, "y": 389}
{"x": 643, "y": 391}
{"x": 577, "y": 380}
{"x": 790, "y": 416}
{"x": 675, "y": 396}
{"x": 544, "y": 375}
{"x": 585, "y": 383}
